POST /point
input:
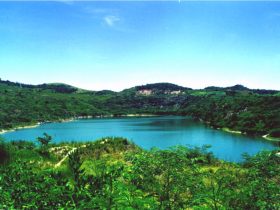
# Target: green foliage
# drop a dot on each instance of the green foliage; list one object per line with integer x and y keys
{"x": 23, "y": 145}
{"x": 23, "y": 188}
{"x": 4, "y": 151}
{"x": 44, "y": 148}
{"x": 161, "y": 87}
{"x": 250, "y": 114}
{"x": 113, "y": 173}
{"x": 238, "y": 108}
{"x": 263, "y": 176}
{"x": 44, "y": 140}
{"x": 275, "y": 133}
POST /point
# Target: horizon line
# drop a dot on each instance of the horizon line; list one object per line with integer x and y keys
{"x": 23, "y": 83}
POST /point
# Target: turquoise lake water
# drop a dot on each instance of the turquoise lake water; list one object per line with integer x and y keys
{"x": 148, "y": 132}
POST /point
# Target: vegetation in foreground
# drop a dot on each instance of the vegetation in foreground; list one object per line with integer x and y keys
{"x": 255, "y": 112}
{"x": 113, "y": 173}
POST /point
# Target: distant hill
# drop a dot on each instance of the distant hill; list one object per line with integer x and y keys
{"x": 16, "y": 84}
{"x": 238, "y": 88}
{"x": 156, "y": 87}
{"x": 162, "y": 87}
{"x": 214, "y": 88}
{"x": 56, "y": 87}
{"x": 250, "y": 111}
{"x": 104, "y": 92}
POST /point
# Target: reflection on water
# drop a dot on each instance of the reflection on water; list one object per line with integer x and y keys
{"x": 161, "y": 132}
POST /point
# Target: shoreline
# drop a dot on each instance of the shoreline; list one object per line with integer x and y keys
{"x": 228, "y": 130}
{"x": 20, "y": 127}
{"x": 3, "y": 131}
{"x": 231, "y": 131}
{"x": 103, "y": 116}
{"x": 267, "y": 137}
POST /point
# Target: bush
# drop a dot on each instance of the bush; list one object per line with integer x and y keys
{"x": 275, "y": 133}
{"x": 4, "y": 152}
{"x": 23, "y": 144}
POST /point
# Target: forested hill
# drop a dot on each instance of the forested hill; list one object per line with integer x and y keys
{"x": 236, "y": 107}
{"x": 56, "y": 87}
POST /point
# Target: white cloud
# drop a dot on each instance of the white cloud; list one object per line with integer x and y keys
{"x": 111, "y": 20}
{"x": 97, "y": 11}
{"x": 67, "y": 2}
{"x": 108, "y": 16}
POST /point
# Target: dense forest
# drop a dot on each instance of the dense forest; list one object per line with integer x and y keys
{"x": 250, "y": 111}
{"x": 113, "y": 173}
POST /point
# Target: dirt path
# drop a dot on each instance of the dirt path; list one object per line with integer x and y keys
{"x": 66, "y": 156}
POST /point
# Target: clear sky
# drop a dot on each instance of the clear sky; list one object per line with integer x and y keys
{"x": 120, "y": 44}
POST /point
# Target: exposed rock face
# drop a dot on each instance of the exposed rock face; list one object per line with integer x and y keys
{"x": 176, "y": 92}
{"x": 144, "y": 92}
{"x": 148, "y": 92}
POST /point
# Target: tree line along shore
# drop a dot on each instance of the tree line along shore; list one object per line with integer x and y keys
{"x": 237, "y": 108}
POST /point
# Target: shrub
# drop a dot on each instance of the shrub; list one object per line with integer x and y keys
{"x": 4, "y": 152}
{"x": 275, "y": 133}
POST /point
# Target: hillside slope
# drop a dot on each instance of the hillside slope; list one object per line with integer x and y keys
{"x": 113, "y": 173}
{"x": 237, "y": 107}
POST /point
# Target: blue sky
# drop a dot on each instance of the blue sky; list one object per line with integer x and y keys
{"x": 120, "y": 44}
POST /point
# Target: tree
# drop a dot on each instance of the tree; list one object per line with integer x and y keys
{"x": 44, "y": 140}
{"x": 44, "y": 144}
{"x": 4, "y": 153}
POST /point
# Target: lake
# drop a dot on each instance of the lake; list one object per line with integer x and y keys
{"x": 148, "y": 132}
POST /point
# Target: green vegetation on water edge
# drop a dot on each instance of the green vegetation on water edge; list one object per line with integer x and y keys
{"x": 113, "y": 173}
{"x": 255, "y": 112}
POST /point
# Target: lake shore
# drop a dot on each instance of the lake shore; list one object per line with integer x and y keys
{"x": 269, "y": 138}
{"x": 266, "y": 137}
{"x": 231, "y": 131}
{"x": 104, "y": 116}
{"x": 73, "y": 119}
{"x": 139, "y": 115}
{"x": 19, "y": 128}
{"x": 228, "y": 130}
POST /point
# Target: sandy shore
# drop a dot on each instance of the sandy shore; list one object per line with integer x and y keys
{"x": 72, "y": 119}
{"x": 19, "y": 127}
{"x": 231, "y": 131}
{"x": 267, "y": 137}
{"x": 139, "y": 115}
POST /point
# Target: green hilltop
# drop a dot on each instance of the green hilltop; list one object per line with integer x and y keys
{"x": 251, "y": 111}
